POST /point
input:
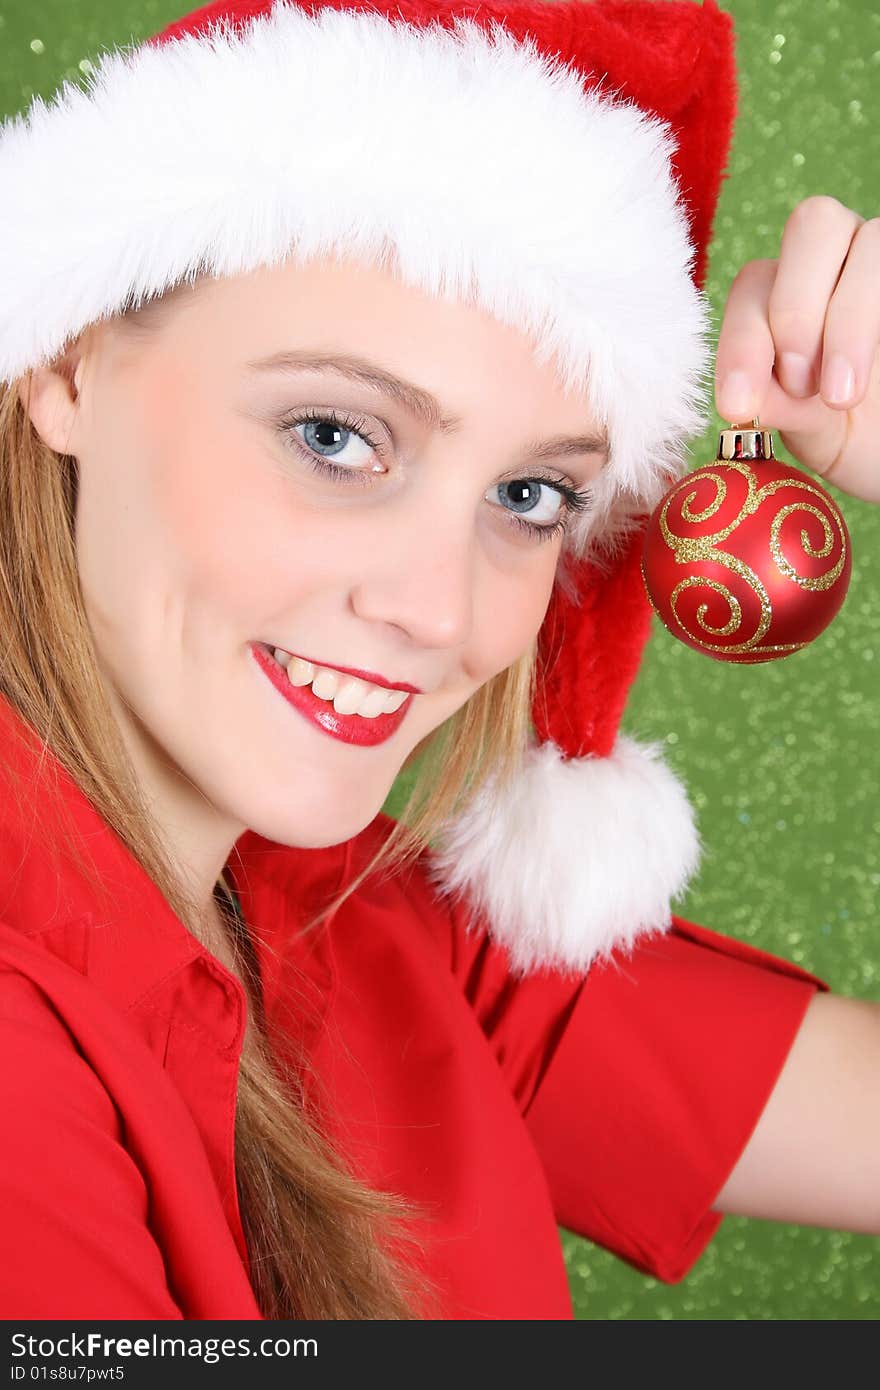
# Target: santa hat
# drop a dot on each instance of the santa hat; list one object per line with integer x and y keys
{"x": 558, "y": 165}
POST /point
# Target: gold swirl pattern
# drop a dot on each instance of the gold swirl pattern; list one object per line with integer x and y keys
{"x": 822, "y": 581}
{"x": 688, "y": 549}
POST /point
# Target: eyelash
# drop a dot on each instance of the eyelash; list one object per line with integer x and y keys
{"x": 574, "y": 500}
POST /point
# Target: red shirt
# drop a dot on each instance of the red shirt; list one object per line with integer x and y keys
{"x": 614, "y": 1104}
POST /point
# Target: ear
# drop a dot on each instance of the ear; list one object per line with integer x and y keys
{"x": 51, "y": 397}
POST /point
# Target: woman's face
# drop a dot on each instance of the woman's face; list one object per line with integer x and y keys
{"x": 207, "y": 524}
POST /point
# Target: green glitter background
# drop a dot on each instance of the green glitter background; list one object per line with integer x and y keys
{"x": 780, "y": 759}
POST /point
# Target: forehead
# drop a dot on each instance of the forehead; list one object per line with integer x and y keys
{"x": 375, "y": 328}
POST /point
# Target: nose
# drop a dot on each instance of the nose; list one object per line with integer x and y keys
{"x": 421, "y": 574}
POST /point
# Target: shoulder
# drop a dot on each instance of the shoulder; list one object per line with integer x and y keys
{"x": 51, "y": 1099}
{"x": 75, "y": 1239}
{"x": 33, "y": 1028}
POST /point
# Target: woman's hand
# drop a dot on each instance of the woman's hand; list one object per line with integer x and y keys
{"x": 804, "y": 332}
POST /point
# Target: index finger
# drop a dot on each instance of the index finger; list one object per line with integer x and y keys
{"x": 746, "y": 351}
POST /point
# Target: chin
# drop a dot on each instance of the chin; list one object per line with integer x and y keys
{"x": 314, "y": 827}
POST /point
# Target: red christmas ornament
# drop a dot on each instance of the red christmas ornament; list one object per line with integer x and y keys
{"x": 746, "y": 559}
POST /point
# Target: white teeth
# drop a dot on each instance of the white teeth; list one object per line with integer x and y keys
{"x": 299, "y": 672}
{"x": 348, "y": 694}
{"x": 325, "y": 684}
{"x": 348, "y": 698}
{"x": 395, "y": 700}
{"x": 374, "y": 704}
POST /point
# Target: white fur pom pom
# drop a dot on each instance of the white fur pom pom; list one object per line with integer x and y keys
{"x": 578, "y": 857}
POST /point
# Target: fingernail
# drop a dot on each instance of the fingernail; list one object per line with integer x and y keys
{"x": 838, "y": 380}
{"x": 737, "y": 396}
{"x": 795, "y": 372}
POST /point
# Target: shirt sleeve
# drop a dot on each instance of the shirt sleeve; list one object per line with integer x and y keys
{"x": 74, "y": 1239}
{"x": 642, "y": 1081}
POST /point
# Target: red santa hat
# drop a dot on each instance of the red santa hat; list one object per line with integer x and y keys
{"x": 558, "y": 165}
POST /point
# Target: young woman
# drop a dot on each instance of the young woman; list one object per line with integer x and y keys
{"x": 273, "y": 527}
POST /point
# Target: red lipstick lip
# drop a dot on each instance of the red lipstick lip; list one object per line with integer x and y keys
{"x": 350, "y": 671}
{"x": 348, "y": 728}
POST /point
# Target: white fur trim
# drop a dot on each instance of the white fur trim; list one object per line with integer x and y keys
{"x": 578, "y": 857}
{"x": 483, "y": 162}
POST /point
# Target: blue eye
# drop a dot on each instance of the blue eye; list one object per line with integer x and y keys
{"x": 327, "y": 436}
{"x": 540, "y": 501}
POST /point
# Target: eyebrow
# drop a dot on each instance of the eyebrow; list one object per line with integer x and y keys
{"x": 415, "y": 399}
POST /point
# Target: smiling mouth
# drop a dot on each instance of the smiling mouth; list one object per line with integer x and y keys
{"x": 353, "y": 728}
{"x": 348, "y": 695}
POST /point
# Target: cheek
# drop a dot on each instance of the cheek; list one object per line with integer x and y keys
{"x": 238, "y": 541}
{"x": 249, "y": 543}
{"x": 512, "y": 610}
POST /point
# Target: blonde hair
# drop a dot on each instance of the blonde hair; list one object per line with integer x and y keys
{"x": 322, "y": 1244}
